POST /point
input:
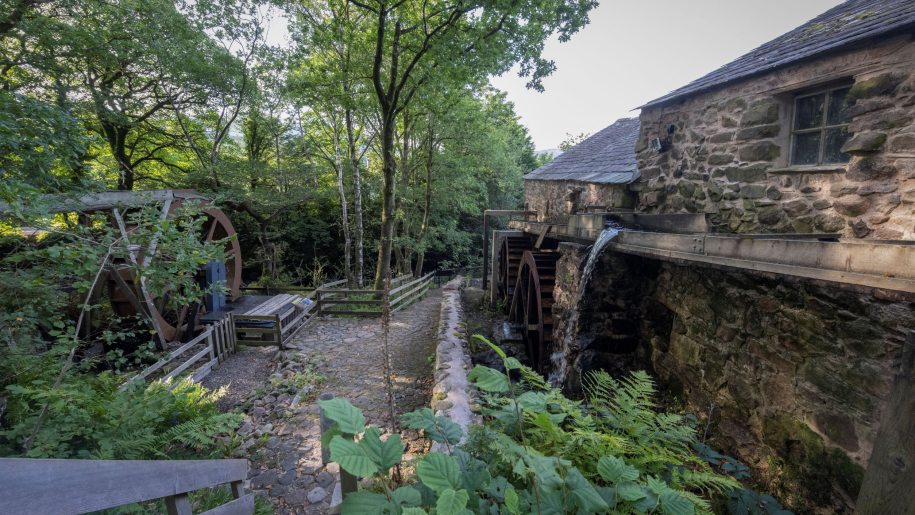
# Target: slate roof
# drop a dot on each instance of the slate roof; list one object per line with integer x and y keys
{"x": 851, "y": 22}
{"x": 607, "y": 157}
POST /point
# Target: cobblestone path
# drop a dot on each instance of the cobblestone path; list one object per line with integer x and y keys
{"x": 281, "y": 437}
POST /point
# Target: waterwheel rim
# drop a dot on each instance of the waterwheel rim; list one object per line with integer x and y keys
{"x": 534, "y": 305}
{"x": 216, "y": 227}
{"x": 510, "y": 253}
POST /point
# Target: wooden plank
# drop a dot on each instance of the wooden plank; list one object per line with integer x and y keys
{"x": 244, "y": 505}
{"x": 354, "y": 301}
{"x": 353, "y": 313}
{"x": 204, "y": 371}
{"x": 79, "y": 486}
{"x": 411, "y": 283}
{"x": 168, "y": 358}
{"x": 408, "y": 302}
{"x": 887, "y": 484}
{"x": 411, "y": 292}
{"x": 184, "y": 366}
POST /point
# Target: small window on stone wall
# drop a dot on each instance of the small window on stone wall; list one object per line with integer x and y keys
{"x": 820, "y": 127}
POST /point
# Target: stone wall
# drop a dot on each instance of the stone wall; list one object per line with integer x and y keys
{"x": 728, "y": 153}
{"x": 452, "y": 394}
{"x": 554, "y": 200}
{"x": 797, "y": 373}
{"x": 792, "y": 374}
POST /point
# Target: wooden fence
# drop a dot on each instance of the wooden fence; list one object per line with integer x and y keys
{"x": 370, "y": 303}
{"x": 81, "y": 486}
{"x": 216, "y": 342}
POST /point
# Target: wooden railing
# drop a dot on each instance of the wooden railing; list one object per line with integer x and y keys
{"x": 81, "y": 486}
{"x": 370, "y": 303}
{"x": 216, "y": 342}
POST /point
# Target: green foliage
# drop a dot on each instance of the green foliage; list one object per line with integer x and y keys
{"x": 90, "y": 417}
{"x": 540, "y": 452}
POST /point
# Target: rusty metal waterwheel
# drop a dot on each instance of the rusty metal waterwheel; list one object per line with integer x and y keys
{"x": 510, "y": 254}
{"x": 532, "y": 305}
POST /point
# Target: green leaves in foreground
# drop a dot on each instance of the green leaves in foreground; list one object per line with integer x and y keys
{"x": 348, "y": 417}
{"x": 439, "y": 472}
{"x": 488, "y": 379}
{"x": 437, "y": 428}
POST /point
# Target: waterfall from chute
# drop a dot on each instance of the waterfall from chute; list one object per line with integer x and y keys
{"x": 558, "y": 373}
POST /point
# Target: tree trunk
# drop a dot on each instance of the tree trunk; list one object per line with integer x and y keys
{"x": 423, "y": 229}
{"x": 117, "y": 142}
{"x": 344, "y": 214}
{"x": 389, "y": 167}
{"x": 357, "y": 197}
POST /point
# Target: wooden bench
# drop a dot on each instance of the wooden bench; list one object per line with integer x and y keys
{"x": 273, "y": 321}
{"x": 80, "y": 486}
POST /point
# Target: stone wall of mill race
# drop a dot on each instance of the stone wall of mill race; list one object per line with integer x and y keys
{"x": 555, "y": 200}
{"x": 794, "y": 375}
{"x": 729, "y": 150}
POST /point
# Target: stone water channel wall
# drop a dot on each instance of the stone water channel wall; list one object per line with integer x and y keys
{"x": 729, "y": 150}
{"x": 452, "y": 394}
{"x": 794, "y": 375}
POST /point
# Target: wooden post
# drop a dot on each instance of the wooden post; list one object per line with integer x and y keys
{"x": 178, "y": 505}
{"x": 890, "y": 477}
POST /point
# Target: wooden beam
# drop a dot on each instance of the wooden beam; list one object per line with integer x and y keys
{"x": 80, "y": 486}
{"x": 890, "y": 477}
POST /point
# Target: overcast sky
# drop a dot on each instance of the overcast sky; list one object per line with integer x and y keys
{"x": 636, "y": 50}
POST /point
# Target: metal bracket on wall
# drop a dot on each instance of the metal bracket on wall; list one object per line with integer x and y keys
{"x": 698, "y": 245}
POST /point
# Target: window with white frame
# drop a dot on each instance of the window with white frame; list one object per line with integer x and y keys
{"x": 820, "y": 127}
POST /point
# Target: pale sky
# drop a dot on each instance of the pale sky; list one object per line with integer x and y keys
{"x": 636, "y": 51}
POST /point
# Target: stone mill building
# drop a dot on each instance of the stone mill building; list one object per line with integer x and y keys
{"x": 761, "y": 256}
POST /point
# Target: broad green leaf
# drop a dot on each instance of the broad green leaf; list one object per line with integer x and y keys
{"x": 439, "y": 472}
{"x": 407, "y": 496}
{"x": 348, "y": 417}
{"x": 512, "y": 363}
{"x": 511, "y": 501}
{"x": 586, "y": 498}
{"x": 488, "y": 379}
{"x": 451, "y": 502}
{"x": 498, "y": 350}
{"x": 630, "y": 491}
{"x": 352, "y": 457}
{"x": 437, "y": 428}
{"x": 614, "y": 470}
{"x": 672, "y": 503}
{"x": 365, "y": 503}
{"x": 533, "y": 401}
{"x": 385, "y": 454}
{"x": 413, "y": 511}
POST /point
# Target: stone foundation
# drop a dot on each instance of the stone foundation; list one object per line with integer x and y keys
{"x": 792, "y": 375}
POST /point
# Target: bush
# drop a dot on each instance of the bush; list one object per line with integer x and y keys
{"x": 538, "y": 452}
{"x": 89, "y": 417}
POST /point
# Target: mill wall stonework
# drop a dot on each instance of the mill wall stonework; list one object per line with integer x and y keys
{"x": 793, "y": 375}
{"x": 555, "y": 200}
{"x": 728, "y": 152}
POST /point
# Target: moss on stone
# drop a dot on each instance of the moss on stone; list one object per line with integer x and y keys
{"x": 876, "y": 86}
{"x": 809, "y": 467}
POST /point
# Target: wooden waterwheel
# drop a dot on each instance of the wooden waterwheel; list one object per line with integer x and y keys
{"x": 510, "y": 254}
{"x": 532, "y": 305}
{"x": 130, "y": 297}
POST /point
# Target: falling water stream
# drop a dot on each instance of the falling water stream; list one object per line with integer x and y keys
{"x": 558, "y": 372}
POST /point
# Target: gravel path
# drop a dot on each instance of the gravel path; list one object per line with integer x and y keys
{"x": 281, "y": 437}
{"x": 241, "y": 375}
